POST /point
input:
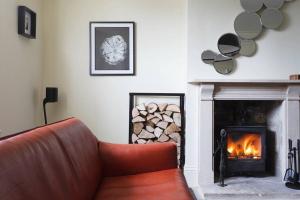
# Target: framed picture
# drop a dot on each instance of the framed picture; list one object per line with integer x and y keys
{"x": 112, "y": 48}
{"x": 158, "y": 118}
{"x": 26, "y": 22}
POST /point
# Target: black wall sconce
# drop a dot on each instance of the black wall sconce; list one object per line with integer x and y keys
{"x": 51, "y": 96}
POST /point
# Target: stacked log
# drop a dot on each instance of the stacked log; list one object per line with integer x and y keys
{"x": 156, "y": 123}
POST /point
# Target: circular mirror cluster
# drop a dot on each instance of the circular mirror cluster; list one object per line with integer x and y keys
{"x": 248, "y": 25}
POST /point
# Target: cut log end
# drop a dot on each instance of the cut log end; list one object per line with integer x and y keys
{"x": 163, "y": 138}
{"x": 150, "y": 129}
{"x": 134, "y": 138}
{"x": 137, "y": 128}
{"x": 158, "y": 132}
{"x": 138, "y": 119}
{"x": 162, "y": 107}
{"x": 158, "y": 115}
{"x": 177, "y": 119}
{"x": 167, "y": 118}
{"x": 141, "y": 141}
{"x": 152, "y": 107}
{"x": 162, "y": 124}
{"x": 141, "y": 107}
{"x": 135, "y": 112}
{"x": 146, "y": 135}
{"x": 172, "y": 129}
{"x": 173, "y": 108}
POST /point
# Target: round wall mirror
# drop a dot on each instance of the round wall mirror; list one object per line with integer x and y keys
{"x": 208, "y": 56}
{"x": 252, "y": 5}
{"x": 271, "y": 18}
{"x": 223, "y": 64}
{"x": 274, "y": 3}
{"x": 248, "y": 47}
{"x": 229, "y": 44}
{"x": 248, "y": 25}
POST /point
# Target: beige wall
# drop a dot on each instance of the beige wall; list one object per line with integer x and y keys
{"x": 20, "y": 70}
{"x": 102, "y": 102}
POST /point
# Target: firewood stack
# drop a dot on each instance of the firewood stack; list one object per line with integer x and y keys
{"x": 154, "y": 123}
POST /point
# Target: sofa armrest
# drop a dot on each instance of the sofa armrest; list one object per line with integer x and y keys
{"x": 128, "y": 159}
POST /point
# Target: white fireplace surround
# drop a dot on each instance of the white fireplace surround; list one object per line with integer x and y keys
{"x": 210, "y": 90}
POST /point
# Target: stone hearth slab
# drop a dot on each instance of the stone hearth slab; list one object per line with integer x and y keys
{"x": 248, "y": 188}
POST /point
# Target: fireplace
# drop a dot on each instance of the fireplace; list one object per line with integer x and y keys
{"x": 246, "y": 150}
{"x": 251, "y": 137}
{"x": 278, "y": 105}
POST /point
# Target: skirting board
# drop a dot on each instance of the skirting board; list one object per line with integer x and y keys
{"x": 191, "y": 175}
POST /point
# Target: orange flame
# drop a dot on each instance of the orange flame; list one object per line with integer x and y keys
{"x": 246, "y": 147}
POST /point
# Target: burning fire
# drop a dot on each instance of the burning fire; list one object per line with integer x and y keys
{"x": 246, "y": 147}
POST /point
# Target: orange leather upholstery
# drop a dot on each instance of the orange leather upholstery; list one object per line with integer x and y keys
{"x": 56, "y": 162}
{"x": 128, "y": 159}
{"x": 65, "y": 161}
{"x": 165, "y": 184}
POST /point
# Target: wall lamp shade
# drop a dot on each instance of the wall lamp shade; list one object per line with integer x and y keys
{"x": 51, "y": 97}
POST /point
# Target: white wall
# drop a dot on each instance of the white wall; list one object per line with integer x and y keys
{"x": 20, "y": 70}
{"x": 103, "y": 102}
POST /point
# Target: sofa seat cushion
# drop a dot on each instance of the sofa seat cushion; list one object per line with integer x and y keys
{"x": 165, "y": 184}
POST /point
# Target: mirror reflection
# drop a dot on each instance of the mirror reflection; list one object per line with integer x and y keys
{"x": 248, "y": 25}
{"x": 223, "y": 64}
{"x": 208, "y": 56}
{"x": 248, "y": 47}
{"x": 229, "y": 44}
{"x": 273, "y": 3}
{"x": 252, "y": 5}
{"x": 271, "y": 18}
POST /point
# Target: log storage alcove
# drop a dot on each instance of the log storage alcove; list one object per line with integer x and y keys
{"x": 157, "y": 118}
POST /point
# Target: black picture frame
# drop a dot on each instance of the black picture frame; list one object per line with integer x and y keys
{"x": 26, "y": 22}
{"x": 112, "y": 48}
{"x": 181, "y": 97}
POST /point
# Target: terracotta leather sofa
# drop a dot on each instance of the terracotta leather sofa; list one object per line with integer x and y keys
{"x": 65, "y": 161}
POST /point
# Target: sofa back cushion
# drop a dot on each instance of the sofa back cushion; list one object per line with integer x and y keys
{"x": 57, "y": 162}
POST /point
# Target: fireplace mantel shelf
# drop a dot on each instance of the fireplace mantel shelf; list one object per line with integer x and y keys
{"x": 243, "y": 89}
{"x": 243, "y": 81}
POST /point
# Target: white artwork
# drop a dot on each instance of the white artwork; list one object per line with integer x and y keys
{"x": 27, "y": 23}
{"x": 114, "y": 50}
